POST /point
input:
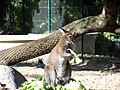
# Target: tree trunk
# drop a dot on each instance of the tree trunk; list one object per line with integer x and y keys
{"x": 105, "y": 22}
{"x": 29, "y": 50}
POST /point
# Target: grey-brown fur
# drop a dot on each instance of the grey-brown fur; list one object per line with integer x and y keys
{"x": 57, "y": 68}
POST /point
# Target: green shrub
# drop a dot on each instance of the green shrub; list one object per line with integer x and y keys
{"x": 40, "y": 84}
{"x": 104, "y": 41}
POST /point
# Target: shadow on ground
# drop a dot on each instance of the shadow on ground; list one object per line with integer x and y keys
{"x": 90, "y": 64}
{"x": 96, "y": 64}
{"x": 38, "y": 64}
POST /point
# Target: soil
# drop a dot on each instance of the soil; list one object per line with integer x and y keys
{"x": 94, "y": 73}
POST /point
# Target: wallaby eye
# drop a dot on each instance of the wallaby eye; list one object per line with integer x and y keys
{"x": 71, "y": 37}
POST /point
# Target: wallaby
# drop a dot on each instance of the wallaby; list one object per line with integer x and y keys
{"x": 57, "y": 67}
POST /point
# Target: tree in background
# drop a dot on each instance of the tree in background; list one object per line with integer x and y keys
{"x": 16, "y": 16}
{"x": 3, "y": 7}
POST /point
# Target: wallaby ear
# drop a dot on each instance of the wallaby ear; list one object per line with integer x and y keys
{"x": 63, "y": 31}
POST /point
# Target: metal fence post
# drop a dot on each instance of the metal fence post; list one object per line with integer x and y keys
{"x": 49, "y": 16}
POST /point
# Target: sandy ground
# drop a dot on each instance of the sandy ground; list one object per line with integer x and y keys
{"x": 94, "y": 75}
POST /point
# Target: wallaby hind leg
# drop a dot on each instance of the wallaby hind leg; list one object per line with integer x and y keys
{"x": 50, "y": 76}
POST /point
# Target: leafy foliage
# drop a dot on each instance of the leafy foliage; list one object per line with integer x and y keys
{"x": 105, "y": 44}
{"x": 110, "y": 36}
{"x": 19, "y": 15}
{"x": 118, "y": 19}
{"x": 40, "y": 84}
{"x": 72, "y": 10}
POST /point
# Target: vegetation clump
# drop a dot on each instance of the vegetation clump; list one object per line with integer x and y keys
{"x": 40, "y": 84}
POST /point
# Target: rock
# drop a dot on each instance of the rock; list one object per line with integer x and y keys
{"x": 10, "y": 77}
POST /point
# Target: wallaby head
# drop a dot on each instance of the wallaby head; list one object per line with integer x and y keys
{"x": 67, "y": 40}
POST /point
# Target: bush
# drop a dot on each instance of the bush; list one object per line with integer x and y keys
{"x": 104, "y": 43}
{"x": 40, "y": 84}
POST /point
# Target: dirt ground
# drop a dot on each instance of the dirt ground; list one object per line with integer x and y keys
{"x": 94, "y": 74}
